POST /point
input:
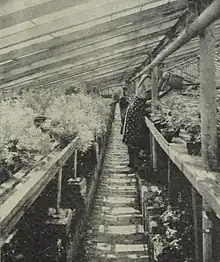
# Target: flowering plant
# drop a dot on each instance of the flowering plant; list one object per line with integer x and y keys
{"x": 23, "y": 143}
{"x": 78, "y": 115}
{"x": 14, "y": 120}
{"x": 20, "y": 141}
{"x": 40, "y": 100}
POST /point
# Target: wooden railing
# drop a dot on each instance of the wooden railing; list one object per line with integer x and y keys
{"x": 206, "y": 183}
{"x": 19, "y": 197}
{"x": 205, "y": 196}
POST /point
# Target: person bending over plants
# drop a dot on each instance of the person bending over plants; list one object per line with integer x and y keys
{"x": 135, "y": 131}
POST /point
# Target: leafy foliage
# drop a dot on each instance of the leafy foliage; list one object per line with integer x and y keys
{"x": 22, "y": 142}
{"x": 78, "y": 115}
{"x": 180, "y": 110}
{"x": 173, "y": 238}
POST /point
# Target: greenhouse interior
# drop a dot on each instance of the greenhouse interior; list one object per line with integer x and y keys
{"x": 110, "y": 130}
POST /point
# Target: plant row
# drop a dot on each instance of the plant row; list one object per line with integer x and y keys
{"x": 180, "y": 111}
{"x": 32, "y": 126}
{"x": 170, "y": 225}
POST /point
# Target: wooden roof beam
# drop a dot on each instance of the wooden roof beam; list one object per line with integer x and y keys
{"x": 186, "y": 17}
{"x": 79, "y": 61}
{"x": 112, "y": 10}
{"x": 65, "y": 60}
{"x": 95, "y": 64}
{"x": 19, "y": 11}
{"x": 94, "y": 43}
{"x": 82, "y": 75}
{"x": 99, "y": 80}
{"x": 206, "y": 18}
{"x": 47, "y": 42}
{"x": 112, "y": 72}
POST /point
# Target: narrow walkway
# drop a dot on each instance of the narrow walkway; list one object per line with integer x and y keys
{"x": 117, "y": 233}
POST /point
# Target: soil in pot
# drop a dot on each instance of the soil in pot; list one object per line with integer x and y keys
{"x": 65, "y": 140}
{"x": 160, "y": 125}
{"x": 4, "y": 174}
{"x": 168, "y": 134}
{"x": 194, "y": 148}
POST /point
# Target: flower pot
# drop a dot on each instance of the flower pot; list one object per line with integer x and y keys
{"x": 160, "y": 125}
{"x": 65, "y": 140}
{"x": 194, "y": 148}
{"x": 39, "y": 120}
{"x": 78, "y": 185}
{"x": 175, "y": 81}
{"x": 4, "y": 174}
{"x": 45, "y": 129}
{"x": 168, "y": 134}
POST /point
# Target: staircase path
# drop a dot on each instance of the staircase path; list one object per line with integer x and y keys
{"x": 117, "y": 232}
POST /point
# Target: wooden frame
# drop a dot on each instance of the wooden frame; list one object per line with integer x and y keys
{"x": 15, "y": 202}
{"x": 206, "y": 183}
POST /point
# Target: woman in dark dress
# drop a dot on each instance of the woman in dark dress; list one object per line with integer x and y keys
{"x": 136, "y": 134}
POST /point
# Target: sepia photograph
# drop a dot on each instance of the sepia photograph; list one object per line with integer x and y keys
{"x": 109, "y": 130}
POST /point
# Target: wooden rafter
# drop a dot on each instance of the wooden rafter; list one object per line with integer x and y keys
{"x": 42, "y": 38}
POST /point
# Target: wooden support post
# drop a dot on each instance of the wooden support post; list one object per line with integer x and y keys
{"x": 136, "y": 85}
{"x": 154, "y": 94}
{"x": 75, "y": 163}
{"x": 58, "y": 229}
{"x": 207, "y": 234}
{"x": 133, "y": 87}
{"x": 169, "y": 181}
{"x": 59, "y": 190}
{"x": 197, "y": 220}
{"x": 216, "y": 237}
{"x": 154, "y": 90}
{"x": 154, "y": 154}
{"x": 208, "y": 99}
{"x": 96, "y": 146}
{"x": 113, "y": 96}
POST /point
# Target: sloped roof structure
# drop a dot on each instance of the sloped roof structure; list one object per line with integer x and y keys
{"x": 96, "y": 43}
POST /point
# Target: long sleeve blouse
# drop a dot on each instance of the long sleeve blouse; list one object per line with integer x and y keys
{"x": 135, "y": 131}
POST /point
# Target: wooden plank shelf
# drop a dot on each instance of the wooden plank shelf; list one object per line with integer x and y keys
{"x": 206, "y": 183}
{"x": 15, "y": 201}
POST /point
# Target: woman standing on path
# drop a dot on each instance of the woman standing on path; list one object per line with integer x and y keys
{"x": 135, "y": 132}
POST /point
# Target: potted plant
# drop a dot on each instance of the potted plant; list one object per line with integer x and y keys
{"x": 4, "y": 172}
{"x": 159, "y": 120}
{"x": 194, "y": 148}
{"x": 160, "y": 123}
{"x": 78, "y": 185}
{"x": 194, "y": 143}
{"x": 168, "y": 134}
{"x": 21, "y": 143}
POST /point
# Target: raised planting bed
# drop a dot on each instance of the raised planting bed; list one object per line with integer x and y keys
{"x": 206, "y": 183}
{"x": 26, "y": 197}
{"x": 194, "y": 148}
{"x": 59, "y": 232}
{"x": 169, "y": 228}
{"x": 20, "y": 196}
{"x": 32, "y": 126}
{"x": 179, "y": 112}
